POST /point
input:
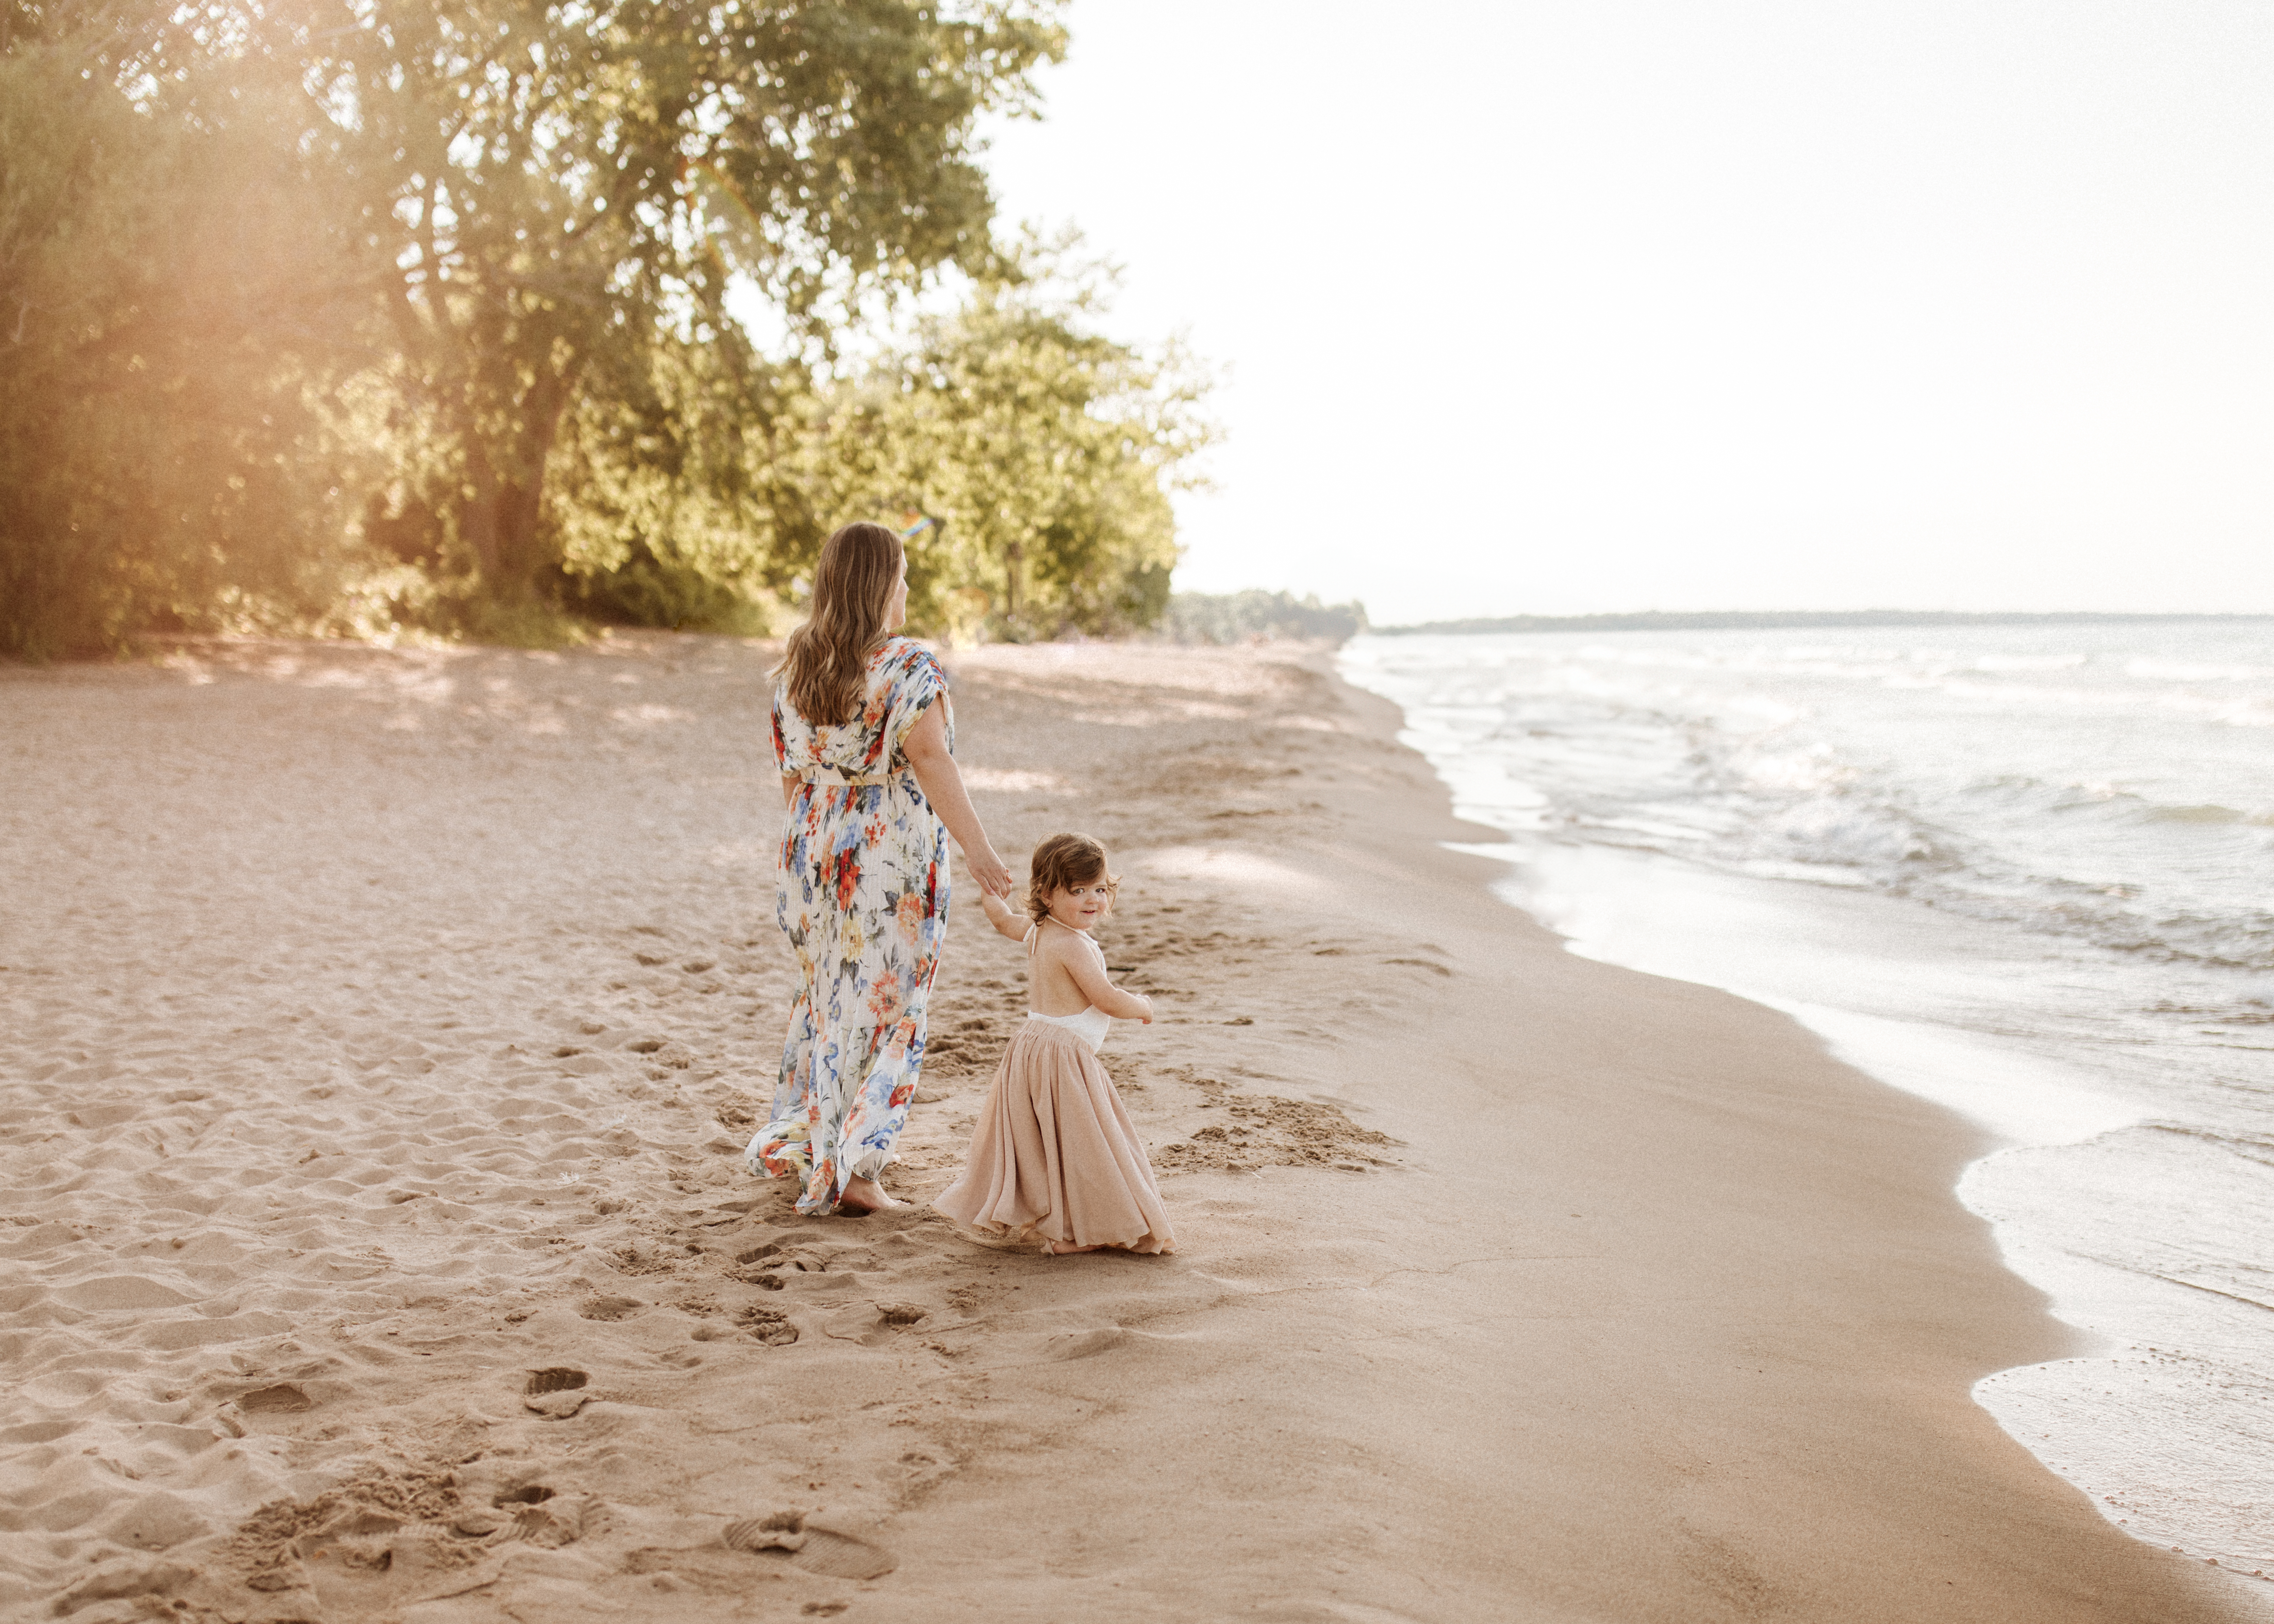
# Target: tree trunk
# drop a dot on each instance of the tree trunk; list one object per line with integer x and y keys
{"x": 500, "y": 517}
{"x": 478, "y": 515}
{"x": 520, "y": 506}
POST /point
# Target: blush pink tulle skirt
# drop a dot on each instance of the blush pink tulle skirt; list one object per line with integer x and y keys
{"x": 1054, "y": 1154}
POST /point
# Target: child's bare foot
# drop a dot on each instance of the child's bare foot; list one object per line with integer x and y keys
{"x": 864, "y": 1195}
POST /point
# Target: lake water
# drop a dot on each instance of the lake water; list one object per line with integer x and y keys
{"x": 2026, "y": 870}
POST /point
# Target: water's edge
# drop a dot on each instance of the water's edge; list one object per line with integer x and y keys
{"x": 2124, "y": 1423}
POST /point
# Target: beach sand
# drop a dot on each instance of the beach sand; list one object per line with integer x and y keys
{"x": 380, "y": 1031}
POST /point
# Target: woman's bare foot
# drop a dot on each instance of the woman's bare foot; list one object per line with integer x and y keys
{"x": 1066, "y": 1249}
{"x": 864, "y": 1195}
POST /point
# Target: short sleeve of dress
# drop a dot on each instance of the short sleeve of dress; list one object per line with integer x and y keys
{"x": 917, "y": 681}
{"x": 781, "y": 744}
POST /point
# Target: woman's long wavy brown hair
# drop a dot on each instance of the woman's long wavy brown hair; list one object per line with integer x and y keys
{"x": 823, "y": 666}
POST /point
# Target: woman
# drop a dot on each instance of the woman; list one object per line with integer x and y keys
{"x": 862, "y": 736}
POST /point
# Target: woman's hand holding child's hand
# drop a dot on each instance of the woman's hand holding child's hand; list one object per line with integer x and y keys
{"x": 992, "y": 873}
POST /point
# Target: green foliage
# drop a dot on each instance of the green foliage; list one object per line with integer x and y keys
{"x": 167, "y": 456}
{"x": 678, "y": 496}
{"x": 566, "y": 187}
{"x": 365, "y": 314}
{"x": 1044, "y": 452}
{"x": 1031, "y": 458}
{"x": 1236, "y": 617}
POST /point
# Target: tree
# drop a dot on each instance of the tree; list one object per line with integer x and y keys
{"x": 1048, "y": 450}
{"x": 683, "y": 493}
{"x": 169, "y": 277}
{"x": 1236, "y": 617}
{"x": 1029, "y": 459}
{"x": 303, "y": 305}
{"x": 563, "y": 190}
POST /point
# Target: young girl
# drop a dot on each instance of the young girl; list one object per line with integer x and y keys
{"x": 1054, "y": 1152}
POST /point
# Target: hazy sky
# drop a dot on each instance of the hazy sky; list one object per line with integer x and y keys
{"x": 1565, "y": 305}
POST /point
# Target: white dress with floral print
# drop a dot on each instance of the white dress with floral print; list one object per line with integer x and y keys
{"x": 862, "y": 897}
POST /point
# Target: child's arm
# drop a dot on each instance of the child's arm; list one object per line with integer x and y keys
{"x": 1089, "y": 972}
{"x": 1004, "y": 918}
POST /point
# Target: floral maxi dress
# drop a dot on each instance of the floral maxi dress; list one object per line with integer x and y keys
{"x": 861, "y": 895}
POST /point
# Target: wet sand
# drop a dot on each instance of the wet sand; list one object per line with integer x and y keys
{"x": 379, "y": 1031}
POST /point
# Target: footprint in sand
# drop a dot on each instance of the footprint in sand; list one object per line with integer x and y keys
{"x": 540, "y": 1516}
{"x": 768, "y": 1267}
{"x": 873, "y": 1324}
{"x": 769, "y": 1325}
{"x": 810, "y": 1546}
{"x": 556, "y": 1392}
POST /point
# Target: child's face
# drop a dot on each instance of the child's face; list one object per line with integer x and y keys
{"x": 1080, "y": 906}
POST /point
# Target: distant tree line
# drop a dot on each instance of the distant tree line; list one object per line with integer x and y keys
{"x": 358, "y": 315}
{"x": 1242, "y": 617}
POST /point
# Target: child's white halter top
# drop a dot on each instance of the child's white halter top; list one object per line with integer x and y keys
{"x": 1092, "y": 1025}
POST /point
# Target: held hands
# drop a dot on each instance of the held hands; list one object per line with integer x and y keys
{"x": 1007, "y": 921}
{"x": 992, "y": 873}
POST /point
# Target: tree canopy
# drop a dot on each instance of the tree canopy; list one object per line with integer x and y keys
{"x": 1041, "y": 453}
{"x": 372, "y": 312}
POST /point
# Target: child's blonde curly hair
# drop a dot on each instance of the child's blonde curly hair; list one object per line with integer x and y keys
{"x": 1062, "y": 860}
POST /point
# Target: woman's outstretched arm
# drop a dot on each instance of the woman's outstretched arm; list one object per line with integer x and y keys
{"x": 942, "y": 783}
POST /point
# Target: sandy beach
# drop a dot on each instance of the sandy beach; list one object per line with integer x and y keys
{"x": 380, "y": 1030}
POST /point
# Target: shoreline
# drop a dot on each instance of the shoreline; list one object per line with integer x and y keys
{"x": 376, "y": 1021}
{"x": 2102, "y": 1417}
{"x": 1794, "y": 620}
{"x": 2156, "y": 1421}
